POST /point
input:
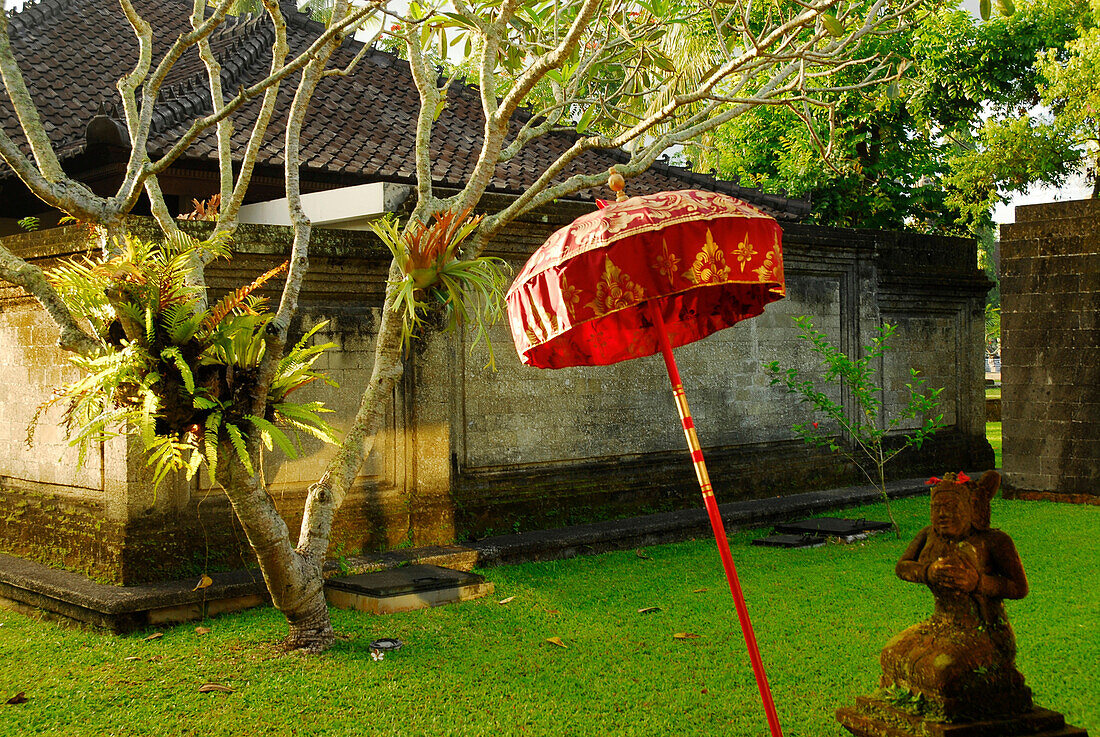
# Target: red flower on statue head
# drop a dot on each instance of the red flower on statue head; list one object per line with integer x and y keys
{"x": 962, "y": 478}
{"x": 932, "y": 481}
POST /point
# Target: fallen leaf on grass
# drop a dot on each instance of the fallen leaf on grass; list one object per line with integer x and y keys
{"x": 132, "y": 657}
{"x": 19, "y": 698}
{"x": 553, "y": 611}
{"x": 556, "y": 641}
{"x": 505, "y": 601}
{"x": 214, "y": 688}
{"x": 202, "y": 631}
{"x": 203, "y": 583}
{"x": 640, "y": 552}
{"x": 685, "y": 636}
{"x": 649, "y": 610}
{"x": 699, "y": 591}
{"x": 154, "y": 636}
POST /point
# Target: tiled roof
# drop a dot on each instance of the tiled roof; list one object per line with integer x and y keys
{"x": 360, "y": 126}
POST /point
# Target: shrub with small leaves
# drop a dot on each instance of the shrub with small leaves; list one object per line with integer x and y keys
{"x": 862, "y": 433}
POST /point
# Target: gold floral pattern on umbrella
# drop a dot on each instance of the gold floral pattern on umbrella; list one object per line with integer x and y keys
{"x": 706, "y": 259}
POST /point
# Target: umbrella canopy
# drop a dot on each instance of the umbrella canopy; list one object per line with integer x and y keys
{"x": 704, "y": 260}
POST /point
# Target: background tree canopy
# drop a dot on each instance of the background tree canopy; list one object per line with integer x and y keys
{"x": 981, "y": 109}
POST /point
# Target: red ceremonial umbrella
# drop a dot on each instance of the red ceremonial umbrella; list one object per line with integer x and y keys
{"x": 643, "y": 275}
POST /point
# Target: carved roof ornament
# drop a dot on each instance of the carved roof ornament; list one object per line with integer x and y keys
{"x": 106, "y": 129}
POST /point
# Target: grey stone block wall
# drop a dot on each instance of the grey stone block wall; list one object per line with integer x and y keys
{"x": 1050, "y": 355}
{"x": 467, "y": 452}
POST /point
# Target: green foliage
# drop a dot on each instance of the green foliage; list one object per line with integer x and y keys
{"x": 469, "y": 291}
{"x": 863, "y": 433}
{"x": 992, "y": 328}
{"x": 180, "y": 376}
{"x": 938, "y": 155}
{"x": 1072, "y": 88}
{"x": 29, "y": 223}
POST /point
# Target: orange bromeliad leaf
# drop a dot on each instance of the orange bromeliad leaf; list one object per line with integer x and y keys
{"x": 431, "y": 246}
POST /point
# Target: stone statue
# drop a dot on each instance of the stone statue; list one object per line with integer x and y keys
{"x": 961, "y": 661}
{"x": 956, "y": 671}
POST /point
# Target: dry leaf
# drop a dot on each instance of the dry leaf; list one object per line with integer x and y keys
{"x": 203, "y": 583}
{"x": 132, "y": 657}
{"x": 214, "y": 688}
{"x": 553, "y": 611}
{"x": 202, "y": 630}
{"x": 699, "y": 591}
{"x": 685, "y": 636}
{"x": 640, "y": 552}
{"x": 649, "y": 610}
{"x": 505, "y": 601}
{"x": 21, "y": 698}
{"x": 154, "y": 636}
{"x": 556, "y": 641}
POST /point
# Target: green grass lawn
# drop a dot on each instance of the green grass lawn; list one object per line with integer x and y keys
{"x": 993, "y": 435}
{"x": 482, "y": 668}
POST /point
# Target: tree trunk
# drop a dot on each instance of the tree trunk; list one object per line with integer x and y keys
{"x": 293, "y": 579}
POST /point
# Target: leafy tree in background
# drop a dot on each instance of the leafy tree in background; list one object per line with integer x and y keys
{"x": 599, "y": 70}
{"x": 936, "y": 151}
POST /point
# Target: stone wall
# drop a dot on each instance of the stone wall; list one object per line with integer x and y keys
{"x": 1050, "y": 354}
{"x": 534, "y": 448}
{"x": 467, "y": 451}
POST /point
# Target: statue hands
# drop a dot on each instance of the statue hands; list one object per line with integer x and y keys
{"x": 953, "y": 573}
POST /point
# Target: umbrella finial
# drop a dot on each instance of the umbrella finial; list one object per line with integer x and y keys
{"x": 616, "y": 182}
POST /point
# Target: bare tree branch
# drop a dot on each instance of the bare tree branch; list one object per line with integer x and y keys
{"x": 17, "y": 271}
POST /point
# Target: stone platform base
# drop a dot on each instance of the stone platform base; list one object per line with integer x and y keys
{"x": 405, "y": 589}
{"x": 872, "y": 717}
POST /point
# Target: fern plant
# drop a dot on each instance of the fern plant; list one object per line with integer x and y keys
{"x": 468, "y": 291}
{"x": 179, "y": 376}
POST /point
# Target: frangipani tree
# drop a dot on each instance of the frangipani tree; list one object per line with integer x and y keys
{"x": 612, "y": 74}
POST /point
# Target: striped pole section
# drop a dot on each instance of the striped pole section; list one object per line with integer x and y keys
{"x": 716, "y": 521}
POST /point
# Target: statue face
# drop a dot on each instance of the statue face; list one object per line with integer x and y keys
{"x": 950, "y": 515}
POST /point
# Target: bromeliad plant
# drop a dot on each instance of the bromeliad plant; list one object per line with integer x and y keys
{"x": 180, "y": 375}
{"x": 468, "y": 291}
{"x": 863, "y": 433}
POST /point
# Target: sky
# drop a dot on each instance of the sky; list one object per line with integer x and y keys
{"x": 1076, "y": 188}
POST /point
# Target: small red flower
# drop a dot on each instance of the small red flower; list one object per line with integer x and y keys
{"x": 815, "y": 425}
{"x": 932, "y": 481}
{"x": 962, "y": 478}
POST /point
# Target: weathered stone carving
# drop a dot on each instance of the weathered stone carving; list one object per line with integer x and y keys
{"x": 955, "y": 672}
{"x": 961, "y": 661}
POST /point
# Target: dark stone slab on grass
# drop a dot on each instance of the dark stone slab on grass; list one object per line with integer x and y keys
{"x": 790, "y": 541}
{"x": 848, "y": 529}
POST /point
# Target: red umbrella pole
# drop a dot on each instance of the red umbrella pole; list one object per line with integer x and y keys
{"x": 716, "y": 522}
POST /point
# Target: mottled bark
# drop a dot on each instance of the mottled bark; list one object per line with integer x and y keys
{"x": 293, "y": 579}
